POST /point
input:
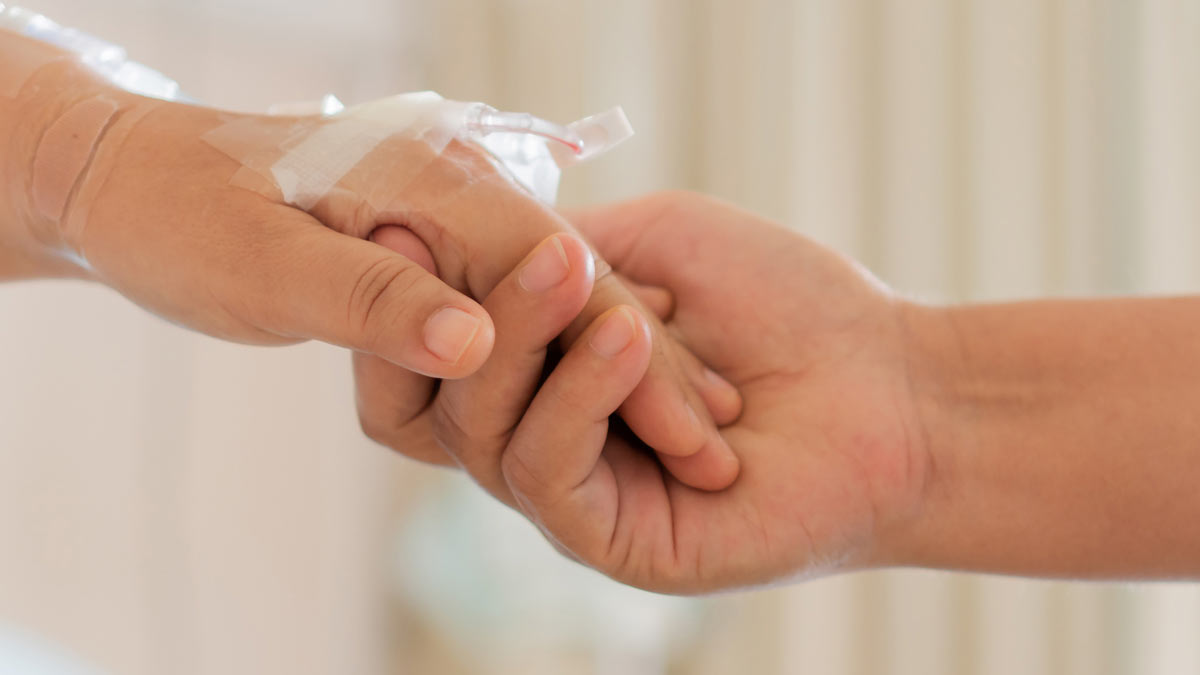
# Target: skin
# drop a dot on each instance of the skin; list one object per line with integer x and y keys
{"x": 1040, "y": 438}
{"x": 1043, "y": 438}
{"x": 833, "y": 465}
{"x": 183, "y": 230}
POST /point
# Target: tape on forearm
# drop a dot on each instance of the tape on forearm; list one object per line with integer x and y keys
{"x": 90, "y": 181}
{"x": 56, "y": 88}
{"x": 65, "y": 151}
{"x": 61, "y": 126}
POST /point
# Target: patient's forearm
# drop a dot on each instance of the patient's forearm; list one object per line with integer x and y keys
{"x": 40, "y": 86}
{"x": 1065, "y": 437}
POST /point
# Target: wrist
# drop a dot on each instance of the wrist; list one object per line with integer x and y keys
{"x": 50, "y": 133}
{"x": 1061, "y": 439}
{"x": 937, "y": 380}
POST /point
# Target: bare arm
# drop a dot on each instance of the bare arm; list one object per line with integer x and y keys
{"x": 1064, "y": 438}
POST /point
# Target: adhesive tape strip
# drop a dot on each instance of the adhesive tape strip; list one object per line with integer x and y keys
{"x": 309, "y": 170}
{"x": 90, "y": 181}
{"x": 596, "y": 134}
{"x": 65, "y": 151}
{"x": 307, "y": 158}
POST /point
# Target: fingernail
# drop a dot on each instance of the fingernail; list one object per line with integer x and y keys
{"x": 614, "y": 335}
{"x": 449, "y": 333}
{"x": 547, "y": 269}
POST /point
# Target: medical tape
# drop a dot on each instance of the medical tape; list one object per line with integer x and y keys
{"x": 90, "y": 182}
{"x": 310, "y": 170}
{"x": 306, "y": 161}
{"x": 306, "y": 158}
{"x": 594, "y": 135}
{"x": 65, "y": 151}
{"x": 66, "y": 141}
{"x": 383, "y": 146}
{"x": 64, "y": 116}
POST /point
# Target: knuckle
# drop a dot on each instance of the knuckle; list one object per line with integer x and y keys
{"x": 383, "y": 428}
{"x": 620, "y": 563}
{"x": 449, "y": 431}
{"x": 569, "y": 403}
{"x": 378, "y": 280}
{"x": 462, "y": 440}
{"x": 522, "y": 477}
{"x": 412, "y": 439}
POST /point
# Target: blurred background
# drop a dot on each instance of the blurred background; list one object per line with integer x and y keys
{"x": 172, "y": 504}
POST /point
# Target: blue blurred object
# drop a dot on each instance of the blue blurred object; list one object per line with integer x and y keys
{"x": 24, "y": 654}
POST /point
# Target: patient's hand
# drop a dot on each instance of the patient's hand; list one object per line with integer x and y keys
{"x": 184, "y": 230}
{"x": 833, "y": 463}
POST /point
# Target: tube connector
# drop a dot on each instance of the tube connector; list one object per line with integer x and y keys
{"x": 577, "y": 142}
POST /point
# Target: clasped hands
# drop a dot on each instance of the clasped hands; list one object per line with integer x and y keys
{"x": 767, "y": 424}
{"x": 807, "y": 376}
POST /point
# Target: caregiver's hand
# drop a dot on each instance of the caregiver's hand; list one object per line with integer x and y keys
{"x": 1044, "y": 438}
{"x": 153, "y": 214}
{"x": 833, "y": 459}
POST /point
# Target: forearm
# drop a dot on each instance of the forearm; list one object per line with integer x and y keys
{"x": 44, "y": 149}
{"x": 1063, "y": 436}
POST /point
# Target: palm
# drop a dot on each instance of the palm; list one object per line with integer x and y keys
{"x": 827, "y": 439}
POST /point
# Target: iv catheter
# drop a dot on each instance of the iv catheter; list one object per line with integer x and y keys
{"x": 585, "y": 138}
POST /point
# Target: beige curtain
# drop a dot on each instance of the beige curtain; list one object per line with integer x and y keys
{"x": 964, "y": 151}
{"x": 172, "y": 504}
